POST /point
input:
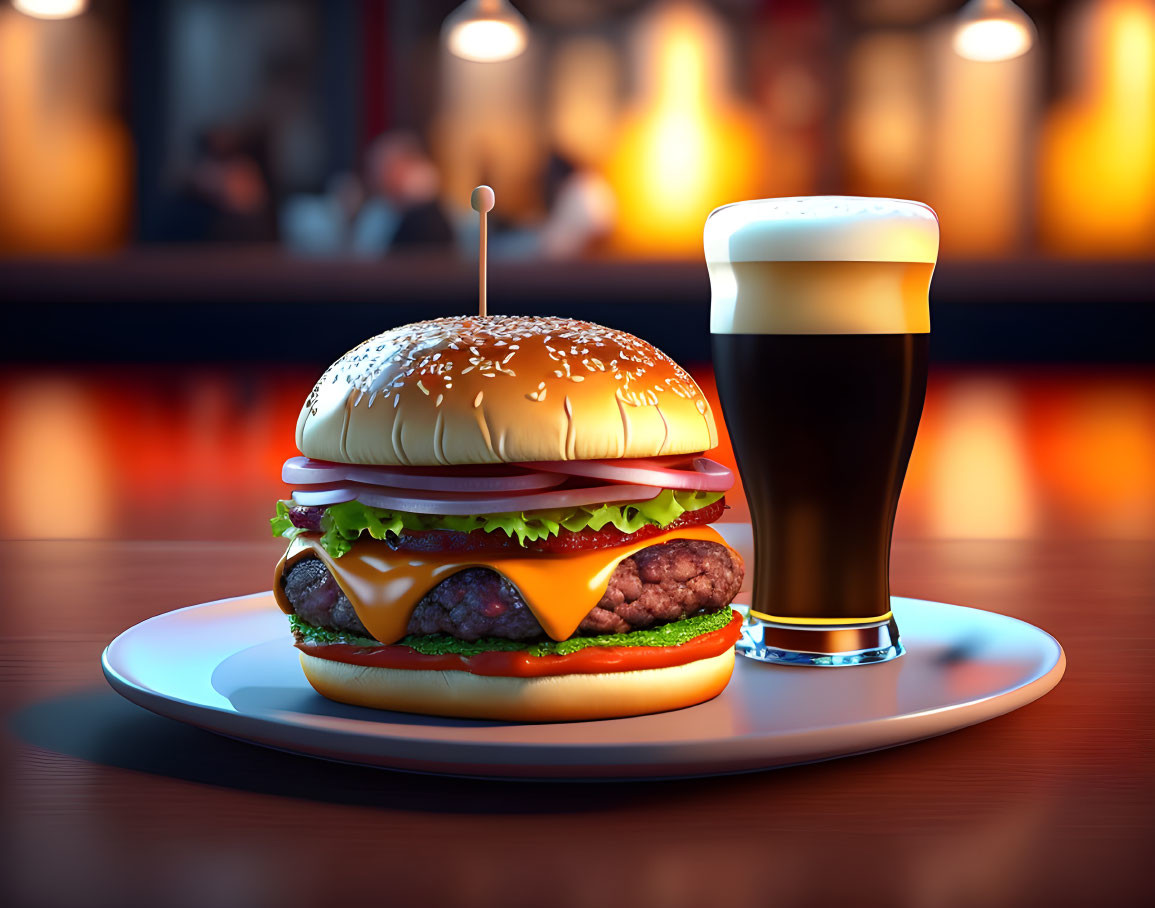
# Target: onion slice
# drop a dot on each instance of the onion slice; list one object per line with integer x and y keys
{"x": 705, "y": 476}
{"x": 466, "y": 503}
{"x": 469, "y": 478}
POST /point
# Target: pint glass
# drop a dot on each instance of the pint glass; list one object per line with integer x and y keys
{"x": 820, "y": 325}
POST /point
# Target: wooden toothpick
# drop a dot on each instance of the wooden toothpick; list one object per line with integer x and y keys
{"x": 482, "y": 201}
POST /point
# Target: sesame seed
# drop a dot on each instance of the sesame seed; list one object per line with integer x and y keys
{"x": 440, "y": 398}
{"x": 477, "y": 400}
{"x": 424, "y": 390}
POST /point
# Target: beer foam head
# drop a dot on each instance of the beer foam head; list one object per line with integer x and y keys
{"x": 821, "y": 265}
{"x": 826, "y": 228}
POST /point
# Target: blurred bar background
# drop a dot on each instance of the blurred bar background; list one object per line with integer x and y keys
{"x": 203, "y": 203}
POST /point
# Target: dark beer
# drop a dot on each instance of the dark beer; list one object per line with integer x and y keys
{"x": 820, "y": 327}
{"x": 822, "y": 427}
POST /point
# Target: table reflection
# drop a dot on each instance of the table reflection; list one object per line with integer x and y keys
{"x": 178, "y": 453}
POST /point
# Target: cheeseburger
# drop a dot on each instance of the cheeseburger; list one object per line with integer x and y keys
{"x": 506, "y": 517}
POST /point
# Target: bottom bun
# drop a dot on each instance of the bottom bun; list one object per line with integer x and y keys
{"x": 552, "y": 698}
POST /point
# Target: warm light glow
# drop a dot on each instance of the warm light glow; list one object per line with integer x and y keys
{"x": 582, "y": 102}
{"x": 686, "y": 147}
{"x": 1097, "y": 165}
{"x": 487, "y": 128}
{"x": 977, "y": 186}
{"x": 486, "y": 40}
{"x": 485, "y": 31}
{"x": 64, "y": 159}
{"x": 1098, "y": 447}
{"x": 992, "y": 30}
{"x": 54, "y": 469}
{"x": 991, "y": 40}
{"x": 51, "y": 9}
{"x": 980, "y": 483}
{"x": 886, "y": 119}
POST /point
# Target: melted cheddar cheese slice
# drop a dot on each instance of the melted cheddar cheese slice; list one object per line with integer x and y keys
{"x": 385, "y": 585}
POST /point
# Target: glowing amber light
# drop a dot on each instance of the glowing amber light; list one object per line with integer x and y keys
{"x": 1097, "y": 168}
{"x": 1098, "y": 450}
{"x": 64, "y": 162}
{"x": 685, "y": 148}
{"x": 981, "y": 481}
{"x": 54, "y": 466}
{"x": 975, "y": 186}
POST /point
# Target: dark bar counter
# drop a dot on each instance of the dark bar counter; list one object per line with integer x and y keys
{"x": 260, "y": 305}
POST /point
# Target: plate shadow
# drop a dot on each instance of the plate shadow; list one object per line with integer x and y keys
{"x": 98, "y": 725}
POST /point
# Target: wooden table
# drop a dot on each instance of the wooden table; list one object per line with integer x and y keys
{"x": 102, "y": 803}
{"x": 105, "y": 803}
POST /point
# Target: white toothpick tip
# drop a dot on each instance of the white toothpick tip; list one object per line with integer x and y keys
{"x": 482, "y": 199}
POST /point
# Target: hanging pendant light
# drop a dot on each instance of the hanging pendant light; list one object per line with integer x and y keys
{"x": 485, "y": 31}
{"x": 993, "y": 30}
{"x": 51, "y": 9}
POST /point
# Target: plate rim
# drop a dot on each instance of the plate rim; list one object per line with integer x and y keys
{"x": 678, "y": 751}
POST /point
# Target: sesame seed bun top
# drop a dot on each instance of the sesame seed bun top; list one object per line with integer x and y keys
{"x": 503, "y": 389}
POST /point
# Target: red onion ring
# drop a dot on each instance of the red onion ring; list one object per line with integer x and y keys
{"x": 479, "y": 478}
{"x": 465, "y": 503}
{"x": 706, "y": 476}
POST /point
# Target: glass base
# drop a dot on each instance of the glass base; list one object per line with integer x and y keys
{"x": 823, "y": 646}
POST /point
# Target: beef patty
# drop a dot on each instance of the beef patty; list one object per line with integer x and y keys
{"x": 659, "y": 584}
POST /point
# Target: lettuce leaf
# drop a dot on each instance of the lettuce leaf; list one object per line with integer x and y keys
{"x": 672, "y": 634}
{"x": 281, "y": 524}
{"x": 344, "y": 523}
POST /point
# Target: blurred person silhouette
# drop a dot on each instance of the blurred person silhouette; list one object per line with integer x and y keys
{"x": 224, "y": 195}
{"x": 323, "y": 225}
{"x": 402, "y": 210}
{"x": 581, "y": 206}
{"x": 580, "y": 212}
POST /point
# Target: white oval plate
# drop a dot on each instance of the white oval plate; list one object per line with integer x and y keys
{"x": 230, "y": 667}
